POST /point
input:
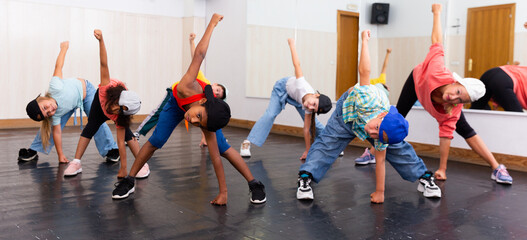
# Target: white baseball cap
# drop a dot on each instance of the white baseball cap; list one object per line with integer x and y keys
{"x": 475, "y": 88}
{"x": 131, "y": 101}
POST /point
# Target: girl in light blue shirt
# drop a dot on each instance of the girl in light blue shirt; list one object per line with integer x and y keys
{"x": 54, "y": 109}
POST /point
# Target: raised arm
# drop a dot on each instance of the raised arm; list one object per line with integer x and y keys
{"x": 105, "y": 73}
{"x": 437, "y": 33}
{"x": 364, "y": 61}
{"x": 60, "y": 59}
{"x": 385, "y": 64}
{"x": 296, "y": 61}
{"x": 192, "y": 44}
{"x": 199, "y": 55}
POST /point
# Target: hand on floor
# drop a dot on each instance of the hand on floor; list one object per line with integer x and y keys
{"x": 377, "y": 197}
{"x": 63, "y": 159}
{"x": 440, "y": 174}
{"x": 122, "y": 173}
{"x": 203, "y": 143}
{"x": 304, "y": 156}
{"x": 220, "y": 200}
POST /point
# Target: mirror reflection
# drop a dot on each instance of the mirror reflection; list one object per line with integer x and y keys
{"x": 481, "y": 40}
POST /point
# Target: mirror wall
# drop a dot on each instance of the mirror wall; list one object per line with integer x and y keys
{"x": 314, "y": 23}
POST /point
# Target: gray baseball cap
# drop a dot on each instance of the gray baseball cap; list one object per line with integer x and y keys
{"x": 131, "y": 101}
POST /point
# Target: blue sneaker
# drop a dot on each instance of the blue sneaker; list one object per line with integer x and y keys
{"x": 501, "y": 175}
{"x": 366, "y": 158}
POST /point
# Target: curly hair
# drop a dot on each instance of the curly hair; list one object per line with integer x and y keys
{"x": 112, "y": 98}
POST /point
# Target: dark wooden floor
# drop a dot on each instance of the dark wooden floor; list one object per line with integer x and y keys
{"x": 36, "y": 202}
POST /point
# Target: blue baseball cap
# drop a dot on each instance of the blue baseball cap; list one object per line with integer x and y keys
{"x": 395, "y": 127}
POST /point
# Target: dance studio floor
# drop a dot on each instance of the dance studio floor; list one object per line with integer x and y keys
{"x": 37, "y": 202}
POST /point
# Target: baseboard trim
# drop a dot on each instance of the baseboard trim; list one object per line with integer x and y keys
{"x": 428, "y": 150}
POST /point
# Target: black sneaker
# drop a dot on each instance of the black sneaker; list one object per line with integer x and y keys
{"x": 27, "y": 154}
{"x": 113, "y": 155}
{"x": 427, "y": 186}
{"x": 124, "y": 188}
{"x": 257, "y": 190}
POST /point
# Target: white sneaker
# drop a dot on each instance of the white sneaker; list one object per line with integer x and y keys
{"x": 144, "y": 172}
{"x": 304, "y": 190}
{"x": 74, "y": 168}
{"x": 245, "y": 149}
{"x": 341, "y": 154}
{"x": 428, "y": 187}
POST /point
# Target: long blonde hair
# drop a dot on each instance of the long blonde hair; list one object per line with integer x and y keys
{"x": 45, "y": 127}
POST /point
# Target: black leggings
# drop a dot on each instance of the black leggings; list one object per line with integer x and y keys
{"x": 408, "y": 98}
{"x": 96, "y": 118}
{"x": 500, "y": 87}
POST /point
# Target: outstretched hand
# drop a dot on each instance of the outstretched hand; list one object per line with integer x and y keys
{"x": 65, "y": 45}
{"x": 436, "y": 8}
{"x": 291, "y": 41}
{"x": 98, "y": 34}
{"x": 192, "y": 37}
{"x": 366, "y": 35}
{"x": 389, "y": 50}
{"x": 216, "y": 18}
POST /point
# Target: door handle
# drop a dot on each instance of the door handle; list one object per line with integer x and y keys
{"x": 470, "y": 64}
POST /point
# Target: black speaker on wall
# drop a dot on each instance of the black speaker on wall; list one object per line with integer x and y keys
{"x": 379, "y": 13}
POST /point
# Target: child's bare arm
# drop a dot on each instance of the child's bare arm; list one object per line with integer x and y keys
{"x": 380, "y": 172}
{"x": 192, "y": 44}
{"x": 436, "y": 29}
{"x": 60, "y": 59}
{"x": 214, "y": 152}
{"x": 385, "y": 64}
{"x": 364, "y": 61}
{"x": 296, "y": 60}
{"x": 105, "y": 73}
{"x": 199, "y": 55}
{"x": 307, "y": 134}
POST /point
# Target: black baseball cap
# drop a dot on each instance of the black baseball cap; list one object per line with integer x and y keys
{"x": 33, "y": 110}
{"x": 324, "y": 104}
{"x": 218, "y": 111}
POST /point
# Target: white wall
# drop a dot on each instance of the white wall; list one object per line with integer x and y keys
{"x": 146, "y": 42}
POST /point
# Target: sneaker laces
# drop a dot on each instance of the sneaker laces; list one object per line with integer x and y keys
{"x": 366, "y": 153}
{"x": 246, "y": 145}
{"x": 304, "y": 182}
{"x": 502, "y": 171}
{"x": 428, "y": 177}
{"x": 122, "y": 184}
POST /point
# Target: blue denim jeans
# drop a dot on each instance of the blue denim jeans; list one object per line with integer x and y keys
{"x": 337, "y": 135}
{"x": 103, "y": 138}
{"x": 277, "y": 103}
{"x": 169, "y": 118}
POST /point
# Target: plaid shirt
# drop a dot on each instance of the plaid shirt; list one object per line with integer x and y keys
{"x": 363, "y": 104}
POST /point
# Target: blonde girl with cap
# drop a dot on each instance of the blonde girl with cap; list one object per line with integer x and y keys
{"x": 112, "y": 101}
{"x": 193, "y": 101}
{"x": 442, "y": 94}
{"x": 298, "y": 92}
{"x": 64, "y": 97}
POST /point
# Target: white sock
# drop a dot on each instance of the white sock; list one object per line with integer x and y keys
{"x": 76, "y": 160}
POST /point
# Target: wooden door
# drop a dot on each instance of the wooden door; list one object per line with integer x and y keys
{"x": 490, "y": 38}
{"x": 347, "y": 50}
